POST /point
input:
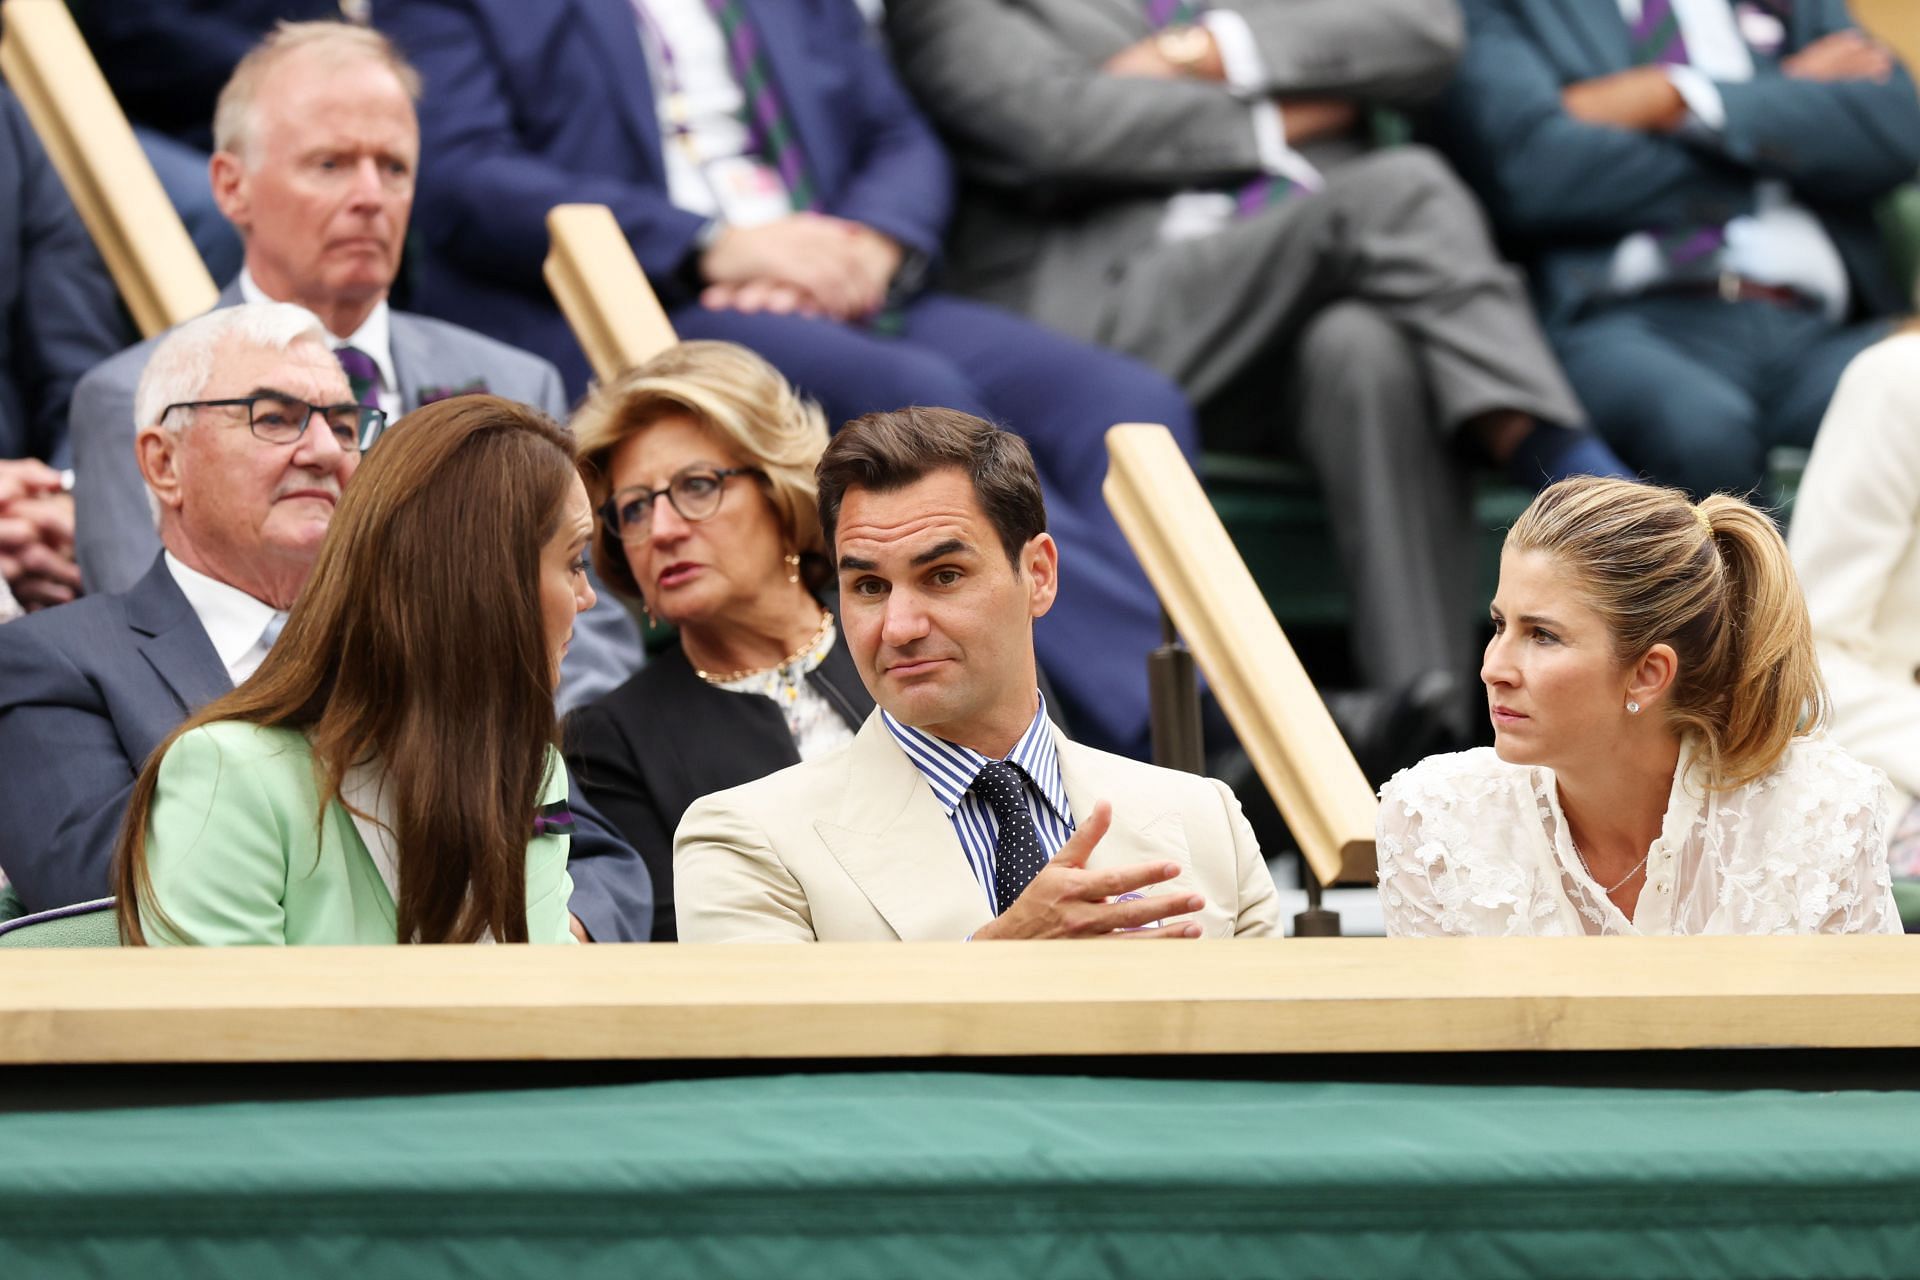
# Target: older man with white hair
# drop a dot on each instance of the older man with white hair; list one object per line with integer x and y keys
{"x": 249, "y": 432}
{"x": 316, "y": 149}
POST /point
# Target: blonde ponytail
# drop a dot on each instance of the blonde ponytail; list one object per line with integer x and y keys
{"x": 1713, "y": 582}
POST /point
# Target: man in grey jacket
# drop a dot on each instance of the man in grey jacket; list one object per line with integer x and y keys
{"x": 316, "y": 148}
{"x": 1191, "y": 183}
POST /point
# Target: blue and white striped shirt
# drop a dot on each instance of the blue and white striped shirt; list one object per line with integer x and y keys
{"x": 950, "y": 770}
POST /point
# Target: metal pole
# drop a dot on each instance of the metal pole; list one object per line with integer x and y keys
{"x": 1173, "y": 704}
{"x": 1316, "y": 921}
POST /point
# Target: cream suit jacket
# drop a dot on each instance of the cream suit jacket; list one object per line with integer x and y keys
{"x": 853, "y": 847}
{"x": 1856, "y": 546}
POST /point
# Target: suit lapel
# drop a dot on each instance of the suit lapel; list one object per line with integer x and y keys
{"x": 616, "y": 33}
{"x": 896, "y": 843}
{"x": 176, "y": 645}
{"x": 408, "y": 343}
{"x": 1593, "y": 28}
{"x": 1138, "y": 833}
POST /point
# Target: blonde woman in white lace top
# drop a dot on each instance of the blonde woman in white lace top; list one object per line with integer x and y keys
{"x": 1652, "y": 683}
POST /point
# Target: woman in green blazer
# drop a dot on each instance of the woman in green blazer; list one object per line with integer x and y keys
{"x": 389, "y": 773}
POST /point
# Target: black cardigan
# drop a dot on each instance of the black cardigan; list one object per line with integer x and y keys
{"x": 646, "y": 751}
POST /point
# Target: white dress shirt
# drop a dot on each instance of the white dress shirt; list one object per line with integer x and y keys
{"x": 1470, "y": 845}
{"x": 1780, "y": 243}
{"x": 374, "y": 336}
{"x": 237, "y": 623}
{"x": 711, "y": 168}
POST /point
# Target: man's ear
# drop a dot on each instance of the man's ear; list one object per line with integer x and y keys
{"x": 158, "y": 452}
{"x": 1652, "y": 677}
{"x": 1040, "y": 564}
{"x": 231, "y": 190}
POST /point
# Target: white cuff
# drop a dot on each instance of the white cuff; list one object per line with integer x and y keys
{"x": 1705, "y": 108}
{"x": 1239, "y": 52}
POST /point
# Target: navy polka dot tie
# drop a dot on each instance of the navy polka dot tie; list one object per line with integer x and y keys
{"x": 1017, "y": 859}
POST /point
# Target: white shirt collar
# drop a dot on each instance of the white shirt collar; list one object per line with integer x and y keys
{"x": 374, "y": 336}
{"x": 232, "y": 619}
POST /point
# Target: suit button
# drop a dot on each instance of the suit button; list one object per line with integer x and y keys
{"x": 1916, "y": 675}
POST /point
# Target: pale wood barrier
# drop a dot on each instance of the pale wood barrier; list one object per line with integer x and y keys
{"x": 889, "y": 1000}
{"x": 154, "y": 264}
{"x": 1206, "y": 589}
{"x": 1895, "y": 21}
{"x": 602, "y": 291}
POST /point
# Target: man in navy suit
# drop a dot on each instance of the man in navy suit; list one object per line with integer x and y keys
{"x": 88, "y": 690}
{"x": 781, "y": 192}
{"x": 1692, "y": 182}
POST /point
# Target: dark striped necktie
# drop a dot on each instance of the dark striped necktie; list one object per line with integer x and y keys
{"x": 1656, "y": 40}
{"x": 363, "y": 375}
{"x": 1017, "y": 855}
{"x": 769, "y": 127}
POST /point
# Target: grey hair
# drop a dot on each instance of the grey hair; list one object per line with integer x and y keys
{"x": 233, "y": 113}
{"x": 182, "y": 365}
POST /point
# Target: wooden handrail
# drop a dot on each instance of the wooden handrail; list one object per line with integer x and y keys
{"x": 893, "y": 1000}
{"x": 1895, "y": 21}
{"x": 1206, "y": 589}
{"x": 602, "y": 291}
{"x": 146, "y": 247}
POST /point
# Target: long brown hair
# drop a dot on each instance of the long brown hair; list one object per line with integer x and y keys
{"x": 418, "y": 642}
{"x": 1712, "y": 581}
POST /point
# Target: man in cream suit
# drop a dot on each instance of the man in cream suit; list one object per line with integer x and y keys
{"x": 958, "y": 811}
{"x": 316, "y": 147}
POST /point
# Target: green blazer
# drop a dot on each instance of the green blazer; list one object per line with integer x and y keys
{"x": 238, "y": 853}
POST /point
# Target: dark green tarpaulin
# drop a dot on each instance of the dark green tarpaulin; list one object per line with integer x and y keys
{"x": 936, "y": 1174}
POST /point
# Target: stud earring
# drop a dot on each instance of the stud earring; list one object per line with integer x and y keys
{"x": 1633, "y": 708}
{"x": 793, "y": 566}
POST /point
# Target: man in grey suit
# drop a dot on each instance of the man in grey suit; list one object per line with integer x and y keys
{"x": 316, "y": 147}
{"x": 89, "y": 689}
{"x": 1188, "y": 182}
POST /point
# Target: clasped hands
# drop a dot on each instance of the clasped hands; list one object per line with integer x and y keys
{"x": 1066, "y": 900}
{"x": 1645, "y": 99}
{"x": 806, "y": 263}
{"x": 36, "y": 534}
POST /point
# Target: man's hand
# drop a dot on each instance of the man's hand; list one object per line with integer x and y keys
{"x": 1845, "y": 55}
{"x": 1642, "y": 99}
{"x": 36, "y": 534}
{"x": 1068, "y": 901}
{"x": 1144, "y": 60}
{"x": 818, "y": 257}
{"x": 1305, "y": 119}
{"x": 760, "y": 295}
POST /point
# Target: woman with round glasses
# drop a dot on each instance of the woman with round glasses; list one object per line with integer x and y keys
{"x": 700, "y": 466}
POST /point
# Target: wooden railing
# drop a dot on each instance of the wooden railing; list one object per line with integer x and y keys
{"x": 154, "y": 264}
{"x": 944, "y": 1000}
{"x": 1206, "y": 589}
{"x": 602, "y": 291}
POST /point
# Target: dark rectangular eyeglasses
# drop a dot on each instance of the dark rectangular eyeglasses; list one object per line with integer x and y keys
{"x": 281, "y": 419}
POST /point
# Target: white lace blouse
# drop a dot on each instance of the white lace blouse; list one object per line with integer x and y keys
{"x": 1470, "y": 845}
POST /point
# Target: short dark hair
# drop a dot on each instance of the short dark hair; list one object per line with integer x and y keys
{"x": 888, "y": 451}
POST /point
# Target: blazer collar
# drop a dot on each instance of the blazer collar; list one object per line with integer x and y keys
{"x": 1597, "y": 28}
{"x": 616, "y": 33}
{"x": 175, "y": 643}
{"x": 895, "y": 842}
{"x": 891, "y": 837}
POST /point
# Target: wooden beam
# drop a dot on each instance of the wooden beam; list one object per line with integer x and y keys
{"x": 602, "y": 291}
{"x": 1213, "y": 601}
{"x": 893, "y": 1000}
{"x": 154, "y": 264}
{"x": 1895, "y": 21}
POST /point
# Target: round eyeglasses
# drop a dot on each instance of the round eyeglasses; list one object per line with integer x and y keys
{"x": 695, "y": 493}
{"x": 281, "y": 419}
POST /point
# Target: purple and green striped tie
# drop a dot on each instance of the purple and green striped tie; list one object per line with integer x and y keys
{"x": 1268, "y": 189}
{"x": 1656, "y": 40}
{"x": 768, "y": 125}
{"x": 363, "y": 375}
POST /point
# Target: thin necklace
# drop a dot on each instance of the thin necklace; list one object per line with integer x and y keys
{"x": 814, "y": 641}
{"x": 1596, "y": 879}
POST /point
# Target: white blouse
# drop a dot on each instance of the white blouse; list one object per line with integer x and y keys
{"x": 1470, "y": 845}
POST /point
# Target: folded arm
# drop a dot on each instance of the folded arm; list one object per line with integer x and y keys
{"x": 1393, "y": 52}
